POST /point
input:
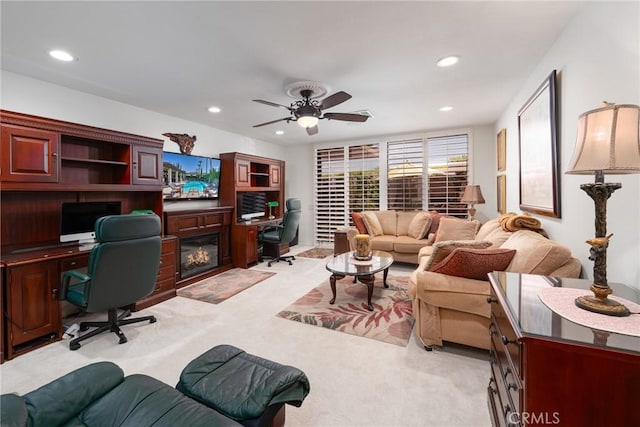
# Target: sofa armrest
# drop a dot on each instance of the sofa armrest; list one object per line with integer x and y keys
{"x": 13, "y": 411}
{"x": 429, "y": 281}
{"x": 62, "y": 399}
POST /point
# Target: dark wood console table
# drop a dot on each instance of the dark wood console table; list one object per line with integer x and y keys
{"x": 549, "y": 370}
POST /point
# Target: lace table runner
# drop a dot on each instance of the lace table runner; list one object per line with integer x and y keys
{"x": 561, "y": 301}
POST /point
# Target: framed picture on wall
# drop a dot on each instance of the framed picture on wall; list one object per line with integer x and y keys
{"x": 501, "y": 150}
{"x": 501, "y": 191}
{"x": 539, "y": 168}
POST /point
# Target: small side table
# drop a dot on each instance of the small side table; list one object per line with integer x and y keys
{"x": 340, "y": 242}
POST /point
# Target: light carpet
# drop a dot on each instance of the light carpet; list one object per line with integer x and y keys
{"x": 317, "y": 253}
{"x": 218, "y": 288}
{"x": 390, "y": 321}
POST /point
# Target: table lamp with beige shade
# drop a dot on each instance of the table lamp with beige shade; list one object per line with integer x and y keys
{"x": 608, "y": 142}
{"x": 472, "y": 195}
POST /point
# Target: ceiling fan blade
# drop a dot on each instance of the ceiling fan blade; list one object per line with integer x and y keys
{"x": 335, "y": 99}
{"x": 312, "y": 130}
{"x": 273, "y": 104}
{"x": 347, "y": 117}
{"x": 272, "y": 121}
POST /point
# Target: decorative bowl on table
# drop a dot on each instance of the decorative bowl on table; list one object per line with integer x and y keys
{"x": 361, "y": 257}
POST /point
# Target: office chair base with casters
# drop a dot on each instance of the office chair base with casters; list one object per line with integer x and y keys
{"x": 112, "y": 325}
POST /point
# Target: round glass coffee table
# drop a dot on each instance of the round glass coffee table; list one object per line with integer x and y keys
{"x": 363, "y": 271}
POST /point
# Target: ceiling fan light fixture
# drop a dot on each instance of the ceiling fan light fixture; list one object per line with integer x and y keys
{"x": 307, "y": 121}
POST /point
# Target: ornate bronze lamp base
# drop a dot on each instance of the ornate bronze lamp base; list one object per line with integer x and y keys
{"x": 601, "y": 304}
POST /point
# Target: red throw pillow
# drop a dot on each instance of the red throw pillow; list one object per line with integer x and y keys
{"x": 474, "y": 263}
{"x": 358, "y": 221}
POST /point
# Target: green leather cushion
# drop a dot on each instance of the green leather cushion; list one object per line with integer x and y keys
{"x": 59, "y": 401}
{"x": 144, "y": 401}
{"x": 241, "y": 385}
{"x": 13, "y": 411}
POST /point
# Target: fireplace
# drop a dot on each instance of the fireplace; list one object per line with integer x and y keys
{"x": 198, "y": 254}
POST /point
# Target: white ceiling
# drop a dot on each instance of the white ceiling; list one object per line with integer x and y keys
{"x": 179, "y": 58}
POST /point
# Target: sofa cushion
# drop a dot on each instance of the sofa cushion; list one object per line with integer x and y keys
{"x": 388, "y": 221}
{"x": 456, "y": 229}
{"x": 144, "y": 401}
{"x": 442, "y": 249}
{"x": 408, "y": 245}
{"x": 60, "y": 400}
{"x": 419, "y": 226}
{"x": 535, "y": 254}
{"x": 493, "y": 232}
{"x": 373, "y": 225}
{"x": 383, "y": 243}
{"x": 358, "y": 222}
{"x": 474, "y": 263}
{"x": 404, "y": 220}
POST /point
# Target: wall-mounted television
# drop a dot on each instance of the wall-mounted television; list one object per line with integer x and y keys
{"x": 188, "y": 177}
{"x": 78, "y": 219}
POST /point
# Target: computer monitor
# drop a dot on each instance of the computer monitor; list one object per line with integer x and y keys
{"x": 78, "y": 219}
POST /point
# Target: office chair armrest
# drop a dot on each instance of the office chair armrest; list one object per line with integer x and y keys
{"x": 66, "y": 278}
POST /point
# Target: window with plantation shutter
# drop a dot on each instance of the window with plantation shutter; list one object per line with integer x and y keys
{"x": 330, "y": 201}
{"x": 405, "y": 175}
{"x": 364, "y": 178}
{"x": 447, "y": 173}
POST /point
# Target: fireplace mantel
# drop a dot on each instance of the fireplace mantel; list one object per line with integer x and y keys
{"x": 189, "y": 224}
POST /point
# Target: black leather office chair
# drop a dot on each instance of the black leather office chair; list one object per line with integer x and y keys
{"x": 122, "y": 270}
{"x": 271, "y": 240}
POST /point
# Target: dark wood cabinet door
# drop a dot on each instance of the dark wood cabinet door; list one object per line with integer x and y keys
{"x": 147, "y": 165}
{"x": 243, "y": 173}
{"x": 274, "y": 175}
{"x": 29, "y": 155}
{"x": 33, "y": 309}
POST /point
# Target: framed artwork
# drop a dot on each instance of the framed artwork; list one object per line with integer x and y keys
{"x": 501, "y": 150}
{"x": 537, "y": 135}
{"x": 501, "y": 191}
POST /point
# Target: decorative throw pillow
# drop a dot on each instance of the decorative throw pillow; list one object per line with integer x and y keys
{"x": 456, "y": 229}
{"x": 435, "y": 221}
{"x": 442, "y": 249}
{"x": 419, "y": 226}
{"x": 373, "y": 225}
{"x": 358, "y": 222}
{"x": 474, "y": 263}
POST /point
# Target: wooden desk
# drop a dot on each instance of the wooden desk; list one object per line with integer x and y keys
{"x": 32, "y": 315}
{"x": 244, "y": 235}
{"x": 548, "y": 370}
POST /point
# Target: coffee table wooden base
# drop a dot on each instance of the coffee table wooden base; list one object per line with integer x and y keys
{"x": 367, "y": 279}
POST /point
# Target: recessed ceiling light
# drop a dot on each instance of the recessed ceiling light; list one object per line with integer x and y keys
{"x": 279, "y": 132}
{"x": 447, "y": 108}
{"x": 447, "y": 61}
{"x": 61, "y": 55}
{"x": 214, "y": 109}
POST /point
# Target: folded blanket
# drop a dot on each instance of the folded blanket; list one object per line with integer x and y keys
{"x": 514, "y": 222}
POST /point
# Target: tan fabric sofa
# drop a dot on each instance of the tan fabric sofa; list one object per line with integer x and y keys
{"x": 400, "y": 233}
{"x": 455, "y": 309}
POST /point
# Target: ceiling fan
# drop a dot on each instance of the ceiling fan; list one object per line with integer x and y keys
{"x": 308, "y": 111}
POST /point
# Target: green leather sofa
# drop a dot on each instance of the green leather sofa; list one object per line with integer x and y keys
{"x": 223, "y": 387}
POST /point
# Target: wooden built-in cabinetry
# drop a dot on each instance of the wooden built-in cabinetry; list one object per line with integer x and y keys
{"x": 44, "y": 163}
{"x": 244, "y": 173}
{"x": 192, "y": 223}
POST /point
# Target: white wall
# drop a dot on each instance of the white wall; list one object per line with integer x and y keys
{"x": 597, "y": 58}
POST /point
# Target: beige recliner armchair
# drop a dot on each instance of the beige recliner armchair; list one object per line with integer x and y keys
{"x": 453, "y": 308}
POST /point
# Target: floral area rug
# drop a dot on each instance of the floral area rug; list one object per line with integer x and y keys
{"x": 316, "y": 253}
{"x": 225, "y": 285}
{"x": 390, "y": 321}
